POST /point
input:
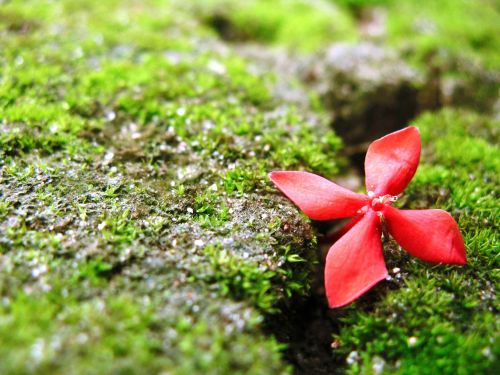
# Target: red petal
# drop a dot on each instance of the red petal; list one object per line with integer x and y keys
{"x": 431, "y": 235}
{"x": 317, "y": 197}
{"x": 345, "y": 228}
{"x": 391, "y": 161}
{"x": 355, "y": 262}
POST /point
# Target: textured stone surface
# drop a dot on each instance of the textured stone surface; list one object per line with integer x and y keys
{"x": 369, "y": 90}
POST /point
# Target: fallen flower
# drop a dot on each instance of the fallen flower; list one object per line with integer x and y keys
{"x": 355, "y": 263}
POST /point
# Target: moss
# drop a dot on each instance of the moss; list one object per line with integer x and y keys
{"x": 138, "y": 228}
{"x": 120, "y": 334}
{"x": 451, "y": 23}
{"x": 440, "y": 318}
{"x": 296, "y": 24}
{"x": 459, "y": 27}
{"x": 38, "y": 125}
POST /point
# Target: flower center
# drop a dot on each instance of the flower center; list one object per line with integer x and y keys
{"x": 378, "y": 203}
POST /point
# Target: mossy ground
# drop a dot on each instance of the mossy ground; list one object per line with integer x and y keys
{"x": 139, "y": 233}
{"x": 138, "y": 230}
{"x": 439, "y": 319}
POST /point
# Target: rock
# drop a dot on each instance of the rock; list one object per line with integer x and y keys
{"x": 369, "y": 90}
{"x": 468, "y": 84}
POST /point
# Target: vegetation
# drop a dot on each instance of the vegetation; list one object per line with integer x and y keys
{"x": 138, "y": 230}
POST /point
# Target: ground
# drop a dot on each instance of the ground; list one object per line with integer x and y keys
{"x": 139, "y": 232}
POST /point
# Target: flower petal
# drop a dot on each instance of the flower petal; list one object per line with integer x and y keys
{"x": 343, "y": 230}
{"x": 431, "y": 235}
{"x": 355, "y": 263}
{"x": 317, "y": 197}
{"x": 391, "y": 161}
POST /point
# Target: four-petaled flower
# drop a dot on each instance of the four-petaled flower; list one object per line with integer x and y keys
{"x": 355, "y": 262}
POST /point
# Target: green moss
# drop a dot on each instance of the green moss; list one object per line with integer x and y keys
{"x": 450, "y": 24}
{"x": 119, "y": 334}
{"x": 38, "y": 125}
{"x": 234, "y": 276}
{"x": 440, "y": 318}
{"x": 138, "y": 229}
{"x": 243, "y": 279}
{"x": 296, "y": 24}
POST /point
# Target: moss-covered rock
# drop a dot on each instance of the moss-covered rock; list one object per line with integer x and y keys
{"x": 138, "y": 230}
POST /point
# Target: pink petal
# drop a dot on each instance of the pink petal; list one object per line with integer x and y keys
{"x": 391, "y": 161}
{"x": 317, "y": 197}
{"x": 431, "y": 235}
{"x": 355, "y": 263}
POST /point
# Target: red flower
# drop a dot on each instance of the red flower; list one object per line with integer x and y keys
{"x": 355, "y": 262}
